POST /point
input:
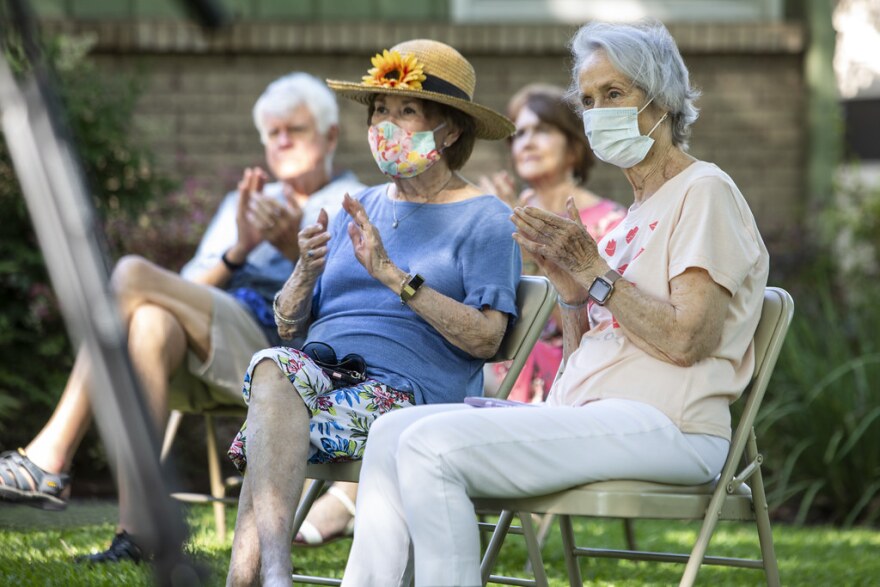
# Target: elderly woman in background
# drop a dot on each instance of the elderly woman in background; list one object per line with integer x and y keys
{"x": 551, "y": 155}
{"x": 658, "y": 321}
{"x": 417, "y": 277}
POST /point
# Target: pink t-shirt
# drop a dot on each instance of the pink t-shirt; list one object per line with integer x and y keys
{"x": 697, "y": 219}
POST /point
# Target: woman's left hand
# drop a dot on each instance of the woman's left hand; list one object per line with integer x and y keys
{"x": 367, "y": 243}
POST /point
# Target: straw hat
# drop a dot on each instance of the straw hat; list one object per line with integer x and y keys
{"x": 428, "y": 70}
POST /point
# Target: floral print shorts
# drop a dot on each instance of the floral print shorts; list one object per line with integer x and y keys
{"x": 340, "y": 416}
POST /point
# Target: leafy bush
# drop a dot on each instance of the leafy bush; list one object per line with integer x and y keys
{"x": 820, "y": 426}
{"x": 168, "y": 230}
{"x": 821, "y": 423}
{"x": 33, "y": 343}
{"x": 852, "y": 230}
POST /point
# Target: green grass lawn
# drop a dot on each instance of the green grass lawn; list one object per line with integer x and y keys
{"x": 36, "y": 548}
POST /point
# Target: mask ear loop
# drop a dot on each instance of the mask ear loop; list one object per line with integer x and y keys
{"x": 444, "y": 145}
{"x": 662, "y": 118}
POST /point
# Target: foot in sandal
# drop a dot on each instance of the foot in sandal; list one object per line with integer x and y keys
{"x": 333, "y": 513}
{"x": 21, "y": 481}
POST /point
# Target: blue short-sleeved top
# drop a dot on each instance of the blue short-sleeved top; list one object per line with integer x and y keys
{"x": 464, "y": 250}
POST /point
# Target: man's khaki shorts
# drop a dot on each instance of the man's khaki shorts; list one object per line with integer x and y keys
{"x": 235, "y": 337}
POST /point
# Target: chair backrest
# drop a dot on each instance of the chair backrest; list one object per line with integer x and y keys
{"x": 535, "y": 300}
{"x": 776, "y": 315}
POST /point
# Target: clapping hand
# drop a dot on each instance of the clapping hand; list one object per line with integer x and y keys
{"x": 562, "y": 248}
{"x": 251, "y": 183}
{"x": 312, "y": 244}
{"x": 367, "y": 242}
{"x": 277, "y": 222}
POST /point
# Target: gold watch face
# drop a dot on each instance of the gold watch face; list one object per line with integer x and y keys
{"x": 411, "y": 287}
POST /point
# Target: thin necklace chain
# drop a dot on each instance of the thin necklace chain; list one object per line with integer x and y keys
{"x": 397, "y": 220}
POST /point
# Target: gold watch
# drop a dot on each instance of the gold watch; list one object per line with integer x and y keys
{"x": 411, "y": 285}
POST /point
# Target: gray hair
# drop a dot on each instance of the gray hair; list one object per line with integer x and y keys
{"x": 287, "y": 92}
{"x": 647, "y": 54}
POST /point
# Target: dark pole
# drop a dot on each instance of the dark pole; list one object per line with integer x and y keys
{"x": 71, "y": 241}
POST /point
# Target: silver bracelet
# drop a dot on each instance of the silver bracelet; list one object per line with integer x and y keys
{"x": 565, "y": 306}
{"x": 281, "y": 318}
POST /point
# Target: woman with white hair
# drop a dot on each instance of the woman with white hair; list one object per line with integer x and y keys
{"x": 658, "y": 319}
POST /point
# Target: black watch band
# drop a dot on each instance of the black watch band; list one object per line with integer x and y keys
{"x": 229, "y": 264}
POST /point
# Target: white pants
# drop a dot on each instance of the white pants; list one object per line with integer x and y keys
{"x": 423, "y": 464}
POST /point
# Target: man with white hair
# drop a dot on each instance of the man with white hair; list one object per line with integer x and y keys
{"x": 192, "y": 335}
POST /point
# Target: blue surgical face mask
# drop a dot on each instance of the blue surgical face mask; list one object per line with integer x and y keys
{"x": 614, "y": 135}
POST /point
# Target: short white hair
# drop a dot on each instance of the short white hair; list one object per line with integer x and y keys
{"x": 646, "y": 53}
{"x": 290, "y": 91}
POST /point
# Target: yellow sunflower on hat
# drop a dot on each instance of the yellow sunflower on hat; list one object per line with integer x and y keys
{"x": 393, "y": 70}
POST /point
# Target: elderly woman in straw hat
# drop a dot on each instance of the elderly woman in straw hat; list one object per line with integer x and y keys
{"x": 413, "y": 285}
{"x": 658, "y": 319}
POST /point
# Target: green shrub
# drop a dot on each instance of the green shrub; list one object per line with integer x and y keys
{"x": 36, "y": 354}
{"x": 851, "y": 229}
{"x": 821, "y": 424}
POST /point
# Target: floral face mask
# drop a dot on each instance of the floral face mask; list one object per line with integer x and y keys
{"x": 400, "y": 153}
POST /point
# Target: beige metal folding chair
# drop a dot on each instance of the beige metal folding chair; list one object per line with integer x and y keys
{"x": 535, "y": 301}
{"x": 727, "y": 498}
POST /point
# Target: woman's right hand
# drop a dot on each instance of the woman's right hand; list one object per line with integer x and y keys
{"x": 294, "y": 299}
{"x": 313, "y": 248}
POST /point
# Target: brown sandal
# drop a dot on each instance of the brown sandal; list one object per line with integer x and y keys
{"x": 24, "y": 482}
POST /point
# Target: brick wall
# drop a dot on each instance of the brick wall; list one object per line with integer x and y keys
{"x": 199, "y": 90}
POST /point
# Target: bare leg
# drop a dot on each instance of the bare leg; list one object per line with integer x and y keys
{"x": 176, "y": 316}
{"x": 244, "y": 568}
{"x": 278, "y": 441}
{"x": 157, "y": 346}
{"x": 137, "y": 283}
{"x": 53, "y": 448}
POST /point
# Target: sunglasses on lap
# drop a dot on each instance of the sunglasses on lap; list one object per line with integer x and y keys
{"x": 350, "y": 370}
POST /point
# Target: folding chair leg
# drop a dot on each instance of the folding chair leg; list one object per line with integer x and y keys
{"x": 762, "y": 517}
{"x": 305, "y": 504}
{"x": 534, "y": 549}
{"x": 494, "y": 547}
{"x": 170, "y": 433}
{"x": 699, "y": 551}
{"x": 544, "y": 528}
{"x": 568, "y": 546}
{"x": 218, "y": 489}
{"x": 765, "y": 534}
{"x": 629, "y": 532}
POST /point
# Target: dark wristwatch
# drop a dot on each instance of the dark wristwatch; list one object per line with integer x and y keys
{"x": 602, "y": 287}
{"x": 410, "y": 286}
